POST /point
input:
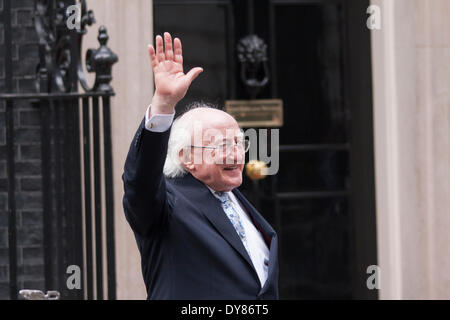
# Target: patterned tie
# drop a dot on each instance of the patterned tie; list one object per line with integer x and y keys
{"x": 233, "y": 216}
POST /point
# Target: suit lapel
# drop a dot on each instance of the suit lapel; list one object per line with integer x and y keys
{"x": 269, "y": 231}
{"x": 256, "y": 216}
{"x": 212, "y": 209}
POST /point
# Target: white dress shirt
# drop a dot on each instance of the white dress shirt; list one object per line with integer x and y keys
{"x": 259, "y": 253}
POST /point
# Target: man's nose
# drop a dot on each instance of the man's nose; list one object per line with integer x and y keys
{"x": 235, "y": 156}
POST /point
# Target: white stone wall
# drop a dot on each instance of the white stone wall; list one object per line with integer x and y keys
{"x": 411, "y": 73}
{"x": 129, "y": 27}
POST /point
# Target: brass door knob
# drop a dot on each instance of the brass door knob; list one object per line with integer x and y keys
{"x": 256, "y": 170}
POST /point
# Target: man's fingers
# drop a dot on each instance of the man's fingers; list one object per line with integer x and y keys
{"x": 178, "y": 51}
{"x": 193, "y": 73}
{"x": 153, "y": 59}
{"x": 168, "y": 46}
{"x": 159, "y": 49}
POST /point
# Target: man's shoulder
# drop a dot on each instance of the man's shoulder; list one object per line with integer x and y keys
{"x": 181, "y": 185}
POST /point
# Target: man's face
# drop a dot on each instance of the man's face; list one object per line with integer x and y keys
{"x": 220, "y": 164}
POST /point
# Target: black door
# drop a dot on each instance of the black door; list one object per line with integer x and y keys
{"x": 321, "y": 202}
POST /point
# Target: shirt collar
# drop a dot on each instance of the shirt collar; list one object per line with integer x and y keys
{"x": 214, "y": 192}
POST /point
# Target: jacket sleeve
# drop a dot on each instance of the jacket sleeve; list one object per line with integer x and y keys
{"x": 145, "y": 198}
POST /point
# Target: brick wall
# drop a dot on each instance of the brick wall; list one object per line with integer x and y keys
{"x": 24, "y": 51}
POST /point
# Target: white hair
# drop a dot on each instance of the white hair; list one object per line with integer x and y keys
{"x": 181, "y": 137}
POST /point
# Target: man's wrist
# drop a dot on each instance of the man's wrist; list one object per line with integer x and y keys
{"x": 158, "y": 122}
{"x": 161, "y": 105}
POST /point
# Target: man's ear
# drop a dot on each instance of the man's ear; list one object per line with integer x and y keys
{"x": 185, "y": 155}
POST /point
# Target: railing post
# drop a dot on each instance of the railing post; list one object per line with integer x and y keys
{"x": 62, "y": 156}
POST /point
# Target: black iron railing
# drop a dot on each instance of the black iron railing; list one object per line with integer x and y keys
{"x": 76, "y": 159}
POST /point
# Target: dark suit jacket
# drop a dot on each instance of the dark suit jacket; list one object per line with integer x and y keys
{"x": 189, "y": 248}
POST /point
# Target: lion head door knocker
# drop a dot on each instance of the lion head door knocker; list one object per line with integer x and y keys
{"x": 252, "y": 55}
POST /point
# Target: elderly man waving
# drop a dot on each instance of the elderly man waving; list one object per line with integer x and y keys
{"x": 198, "y": 236}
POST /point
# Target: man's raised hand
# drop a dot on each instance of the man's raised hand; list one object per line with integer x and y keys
{"x": 170, "y": 81}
